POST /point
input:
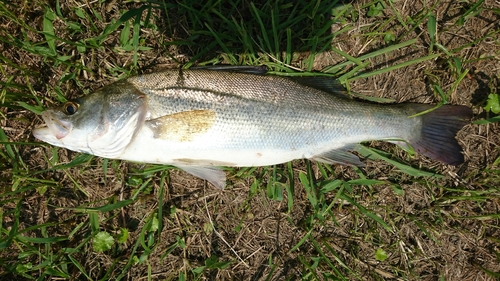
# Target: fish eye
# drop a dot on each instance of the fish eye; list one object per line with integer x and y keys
{"x": 70, "y": 107}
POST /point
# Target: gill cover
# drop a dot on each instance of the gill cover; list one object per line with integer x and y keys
{"x": 103, "y": 123}
{"x": 122, "y": 112}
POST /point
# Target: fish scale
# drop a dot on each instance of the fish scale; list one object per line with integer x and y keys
{"x": 200, "y": 119}
{"x": 252, "y": 123}
{"x": 316, "y": 116}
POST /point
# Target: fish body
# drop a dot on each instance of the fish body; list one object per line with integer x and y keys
{"x": 200, "y": 119}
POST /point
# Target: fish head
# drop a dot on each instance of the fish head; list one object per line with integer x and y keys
{"x": 103, "y": 123}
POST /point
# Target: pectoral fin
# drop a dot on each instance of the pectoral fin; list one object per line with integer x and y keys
{"x": 213, "y": 175}
{"x": 340, "y": 156}
{"x": 183, "y": 126}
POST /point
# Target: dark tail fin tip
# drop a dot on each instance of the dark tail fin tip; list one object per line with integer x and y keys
{"x": 439, "y": 128}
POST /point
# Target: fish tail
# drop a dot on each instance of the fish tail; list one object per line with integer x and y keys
{"x": 439, "y": 128}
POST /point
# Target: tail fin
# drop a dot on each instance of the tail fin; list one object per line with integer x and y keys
{"x": 439, "y": 128}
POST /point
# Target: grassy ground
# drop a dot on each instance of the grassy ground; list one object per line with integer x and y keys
{"x": 66, "y": 215}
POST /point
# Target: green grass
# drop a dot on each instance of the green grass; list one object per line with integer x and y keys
{"x": 74, "y": 216}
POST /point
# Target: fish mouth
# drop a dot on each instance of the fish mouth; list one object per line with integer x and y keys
{"x": 54, "y": 126}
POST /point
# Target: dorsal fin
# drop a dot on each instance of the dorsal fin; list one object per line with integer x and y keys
{"x": 257, "y": 70}
{"x": 323, "y": 83}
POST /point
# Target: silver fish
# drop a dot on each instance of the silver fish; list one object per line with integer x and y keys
{"x": 201, "y": 119}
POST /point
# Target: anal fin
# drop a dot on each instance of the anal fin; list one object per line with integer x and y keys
{"x": 340, "y": 156}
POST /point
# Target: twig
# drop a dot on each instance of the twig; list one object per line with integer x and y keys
{"x": 222, "y": 238}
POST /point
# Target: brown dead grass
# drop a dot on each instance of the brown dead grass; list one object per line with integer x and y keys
{"x": 255, "y": 228}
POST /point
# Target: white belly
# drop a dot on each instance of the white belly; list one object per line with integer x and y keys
{"x": 205, "y": 150}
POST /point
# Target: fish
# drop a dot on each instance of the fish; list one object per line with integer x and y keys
{"x": 201, "y": 120}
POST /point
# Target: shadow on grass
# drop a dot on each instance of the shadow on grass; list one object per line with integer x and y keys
{"x": 238, "y": 27}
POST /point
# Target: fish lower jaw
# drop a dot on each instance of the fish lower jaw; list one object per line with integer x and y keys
{"x": 45, "y": 134}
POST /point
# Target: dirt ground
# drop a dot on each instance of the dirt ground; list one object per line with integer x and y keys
{"x": 436, "y": 233}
